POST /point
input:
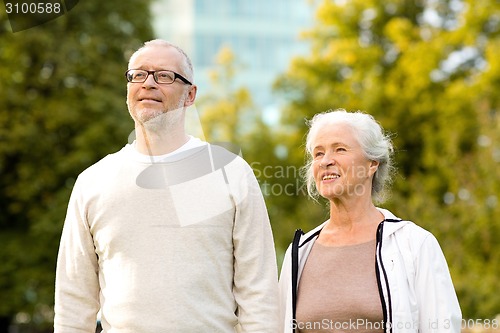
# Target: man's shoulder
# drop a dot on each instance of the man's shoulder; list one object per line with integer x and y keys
{"x": 105, "y": 165}
{"x": 229, "y": 157}
{"x": 224, "y": 153}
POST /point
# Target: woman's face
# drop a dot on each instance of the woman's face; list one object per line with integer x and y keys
{"x": 341, "y": 170}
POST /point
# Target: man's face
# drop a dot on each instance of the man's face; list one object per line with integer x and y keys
{"x": 149, "y": 99}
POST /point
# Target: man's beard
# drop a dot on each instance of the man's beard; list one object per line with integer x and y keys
{"x": 161, "y": 121}
{"x": 158, "y": 121}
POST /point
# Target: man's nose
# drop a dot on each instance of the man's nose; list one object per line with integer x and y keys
{"x": 150, "y": 82}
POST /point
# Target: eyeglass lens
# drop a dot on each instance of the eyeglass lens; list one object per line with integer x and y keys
{"x": 137, "y": 75}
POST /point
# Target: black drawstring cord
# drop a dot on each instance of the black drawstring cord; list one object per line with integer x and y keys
{"x": 295, "y": 273}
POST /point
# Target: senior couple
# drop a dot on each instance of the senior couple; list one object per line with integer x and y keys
{"x": 171, "y": 234}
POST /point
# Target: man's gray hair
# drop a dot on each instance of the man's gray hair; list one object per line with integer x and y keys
{"x": 187, "y": 64}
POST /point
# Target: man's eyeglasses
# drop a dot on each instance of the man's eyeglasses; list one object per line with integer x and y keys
{"x": 161, "y": 77}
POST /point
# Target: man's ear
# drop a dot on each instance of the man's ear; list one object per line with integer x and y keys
{"x": 191, "y": 96}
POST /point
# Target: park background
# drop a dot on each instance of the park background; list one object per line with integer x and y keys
{"x": 427, "y": 70}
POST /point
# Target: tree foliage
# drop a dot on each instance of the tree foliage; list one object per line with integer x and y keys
{"x": 429, "y": 72}
{"x": 227, "y": 108}
{"x": 62, "y": 107}
{"x": 229, "y": 116}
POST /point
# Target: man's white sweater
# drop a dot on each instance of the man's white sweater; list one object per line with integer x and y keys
{"x": 178, "y": 245}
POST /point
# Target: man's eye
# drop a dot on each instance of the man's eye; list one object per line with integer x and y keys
{"x": 165, "y": 76}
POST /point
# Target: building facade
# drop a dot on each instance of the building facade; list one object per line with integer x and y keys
{"x": 262, "y": 34}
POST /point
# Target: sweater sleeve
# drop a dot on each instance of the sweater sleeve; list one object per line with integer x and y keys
{"x": 439, "y": 310}
{"x": 77, "y": 284}
{"x": 255, "y": 270}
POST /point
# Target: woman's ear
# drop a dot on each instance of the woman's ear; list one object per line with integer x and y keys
{"x": 373, "y": 168}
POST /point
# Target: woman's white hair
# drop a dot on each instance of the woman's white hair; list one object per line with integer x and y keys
{"x": 376, "y": 146}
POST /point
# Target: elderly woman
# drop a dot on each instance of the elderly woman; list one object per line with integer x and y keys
{"x": 364, "y": 269}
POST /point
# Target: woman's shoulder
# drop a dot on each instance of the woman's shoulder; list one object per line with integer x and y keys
{"x": 401, "y": 226}
{"x": 416, "y": 232}
{"x": 406, "y": 231}
{"x": 416, "y": 237}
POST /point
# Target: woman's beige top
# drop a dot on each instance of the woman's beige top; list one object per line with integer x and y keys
{"x": 338, "y": 290}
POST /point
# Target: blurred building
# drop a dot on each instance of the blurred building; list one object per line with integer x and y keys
{"x": 263, "y": 35}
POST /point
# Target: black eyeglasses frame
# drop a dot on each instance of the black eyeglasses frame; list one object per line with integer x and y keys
{"x": 155, "y": 76}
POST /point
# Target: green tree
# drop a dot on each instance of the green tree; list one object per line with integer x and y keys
{"x": 62, "y": 107}
{"x": 226, "y": 109}
{"x": 428, "y": 71}
{"x": 229, "y": 115}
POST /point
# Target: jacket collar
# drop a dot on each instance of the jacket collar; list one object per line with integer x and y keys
{"x": 391, "y": 222}
{"x": 394, "y": 223}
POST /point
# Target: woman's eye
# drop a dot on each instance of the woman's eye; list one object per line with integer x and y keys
{"x": 318, "y": 154}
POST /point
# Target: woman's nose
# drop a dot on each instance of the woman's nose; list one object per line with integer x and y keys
{"x": 326, "y": 161}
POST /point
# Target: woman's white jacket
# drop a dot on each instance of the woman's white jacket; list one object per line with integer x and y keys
{"x": 415, "y": 285}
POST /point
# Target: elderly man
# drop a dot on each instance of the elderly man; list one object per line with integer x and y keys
{"x": 170, "y": 234}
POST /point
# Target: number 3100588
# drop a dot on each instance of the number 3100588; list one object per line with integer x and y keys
{"x": 33, "y": 8}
